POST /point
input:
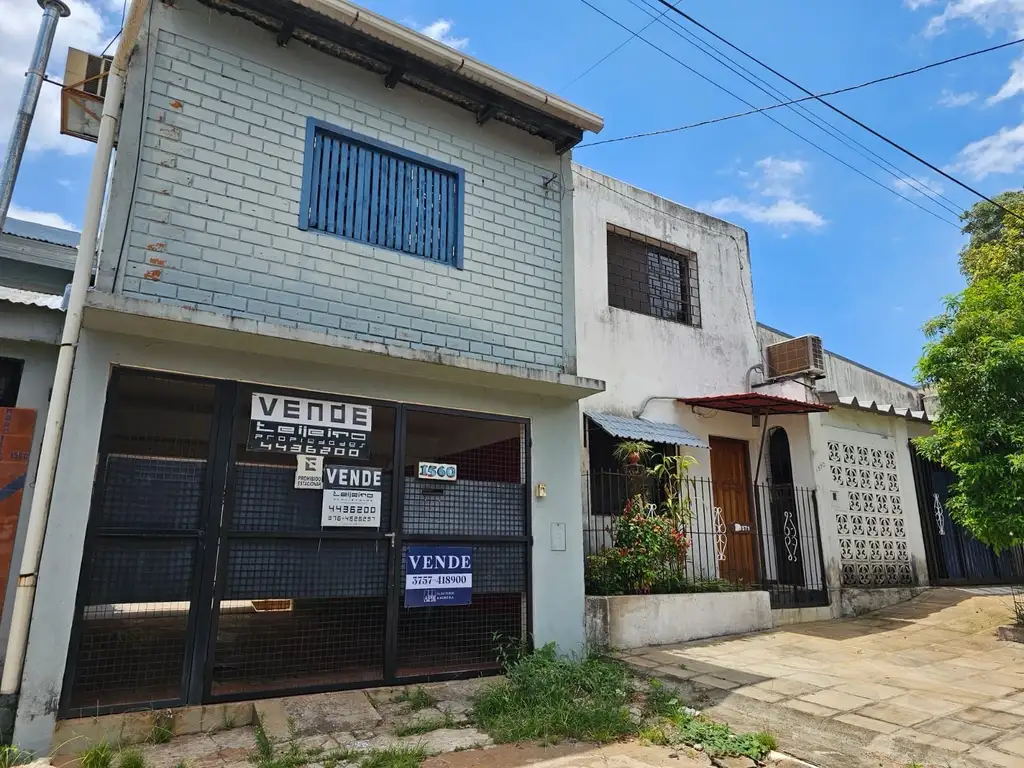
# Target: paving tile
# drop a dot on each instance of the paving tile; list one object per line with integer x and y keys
{"x": 759, "y": 693}
{"x": 808, "y": 708}
{"x": 875, "y": 691}
{"x": 1014, "y": 746}
{"x": 990, "y": 717}
{"x": 867, "y": 722}
{"x": 817, "y": 679}
{"x": 836, "y": 700}
{"x": 1003, "y": 705}
{"x": 952, "y": 745}
{"x": 678, "y": 673}
{"x": 643, "y": 661}
{"x": 931, "y": 705}
{"x": 739, "y": 676}
{"x": 787, "y": 686}
{"x": 958, "y": 729}
{"x": 715, "y": 682}
{"x": 989, "y": 756}
{"x": 890, "y": 713}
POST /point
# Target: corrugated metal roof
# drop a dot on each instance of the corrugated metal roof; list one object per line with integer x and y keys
{"x": 31, "y": 298}
{"x": 32, "y": 231}
{"x": 886, "y": 409}
{"x": 641, "y": 429}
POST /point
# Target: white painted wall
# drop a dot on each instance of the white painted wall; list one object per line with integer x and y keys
{"x": 557, "y": 575}
{"x": 639, "y": 355}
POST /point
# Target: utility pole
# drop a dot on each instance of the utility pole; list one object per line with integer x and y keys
{"x": 53, "y": 11}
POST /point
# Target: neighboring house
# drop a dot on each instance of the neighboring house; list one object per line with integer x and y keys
{"x": 806, "y": 484}
{"x": 36, "y": 262}
{"x": 341, "y": 238}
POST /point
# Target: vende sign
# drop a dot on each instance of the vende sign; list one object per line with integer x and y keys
{"x": 302, "y": 425}
{"x": 438, "y": 576}
{"x": 316, "y": 413}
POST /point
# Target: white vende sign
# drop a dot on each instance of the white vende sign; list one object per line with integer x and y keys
{"x": 352, "y": 497}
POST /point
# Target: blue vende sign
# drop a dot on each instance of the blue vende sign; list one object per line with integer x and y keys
{"x": 438, "y": 576}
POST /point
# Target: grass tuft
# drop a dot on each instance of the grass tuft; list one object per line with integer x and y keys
{"x": 426, "y": 726}
{"x": 98, "y": 756}
{"x": 548, "y": 698}
{"x": 11, "y": 756}
{"x": 394, "y": 757}
{"x": 417, "y": 699}
{"x": 131, "y": 758}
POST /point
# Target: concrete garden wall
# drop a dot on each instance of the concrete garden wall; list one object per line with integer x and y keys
{"x": 635, "y": 621}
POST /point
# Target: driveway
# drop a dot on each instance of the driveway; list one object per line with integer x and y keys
{"x": 924, "y": 681}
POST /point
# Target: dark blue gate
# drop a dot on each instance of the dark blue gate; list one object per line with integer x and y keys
{"x": 954, "y": 555}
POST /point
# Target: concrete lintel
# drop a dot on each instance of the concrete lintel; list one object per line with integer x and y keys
{"x": 118, "y": 314}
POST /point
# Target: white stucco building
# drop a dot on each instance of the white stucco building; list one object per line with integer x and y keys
{"x": 800, "y": 489}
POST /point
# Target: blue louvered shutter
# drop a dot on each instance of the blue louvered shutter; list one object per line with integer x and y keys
{"x": 360, "y": 191}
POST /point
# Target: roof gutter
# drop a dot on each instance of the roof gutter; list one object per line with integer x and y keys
{"x": 441, "y": 55}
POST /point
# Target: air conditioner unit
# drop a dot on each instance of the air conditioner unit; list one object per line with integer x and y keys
{"x": 802, "y": 356}
{"x": 81, "y": 99}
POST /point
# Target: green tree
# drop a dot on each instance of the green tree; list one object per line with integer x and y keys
{"x": 975, "y": 360}
{"x": 996, "y": 247}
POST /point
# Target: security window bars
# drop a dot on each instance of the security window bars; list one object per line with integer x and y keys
{"x": 375, "y": 193}
{"x": 652, "y": 277}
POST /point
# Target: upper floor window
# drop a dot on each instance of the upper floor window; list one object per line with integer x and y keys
{"x": 10, "y": 381}
{"x": 651, "y": 277}
{"x": 365, "y": 190}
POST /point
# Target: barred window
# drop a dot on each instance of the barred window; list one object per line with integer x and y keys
{"x": 362, "y": 189}
{"x": 651, "y": 277}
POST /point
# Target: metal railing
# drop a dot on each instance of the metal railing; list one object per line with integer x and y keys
{"x": 763, "y": 537}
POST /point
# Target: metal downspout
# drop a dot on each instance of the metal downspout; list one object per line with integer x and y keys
{"x": 53, "y": 11}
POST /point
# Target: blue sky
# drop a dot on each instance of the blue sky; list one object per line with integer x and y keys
{"x": 833, "y": 254}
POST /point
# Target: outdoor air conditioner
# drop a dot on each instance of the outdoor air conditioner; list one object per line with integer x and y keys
{"x": 802, "y": 356}
{"x": 85, "y": 85}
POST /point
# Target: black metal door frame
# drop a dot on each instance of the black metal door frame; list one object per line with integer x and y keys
{"x": 213, "y": 542}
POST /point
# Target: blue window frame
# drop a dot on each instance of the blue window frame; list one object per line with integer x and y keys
{"x": 366, "y": 190}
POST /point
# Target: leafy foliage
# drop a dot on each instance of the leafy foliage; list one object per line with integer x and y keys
{"x": 985, "y": 223}
{"x": 646, "y": 549}
{"x": 417, "y": 698}
{"x": 975, "y": 360}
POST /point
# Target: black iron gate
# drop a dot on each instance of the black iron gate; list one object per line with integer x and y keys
{"x": 954, "y": 556}
{"x": 208, "y": 576}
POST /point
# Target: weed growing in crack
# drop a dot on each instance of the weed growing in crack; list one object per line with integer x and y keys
{"x": 417, "y": 699}
{"x": 426, "y": 726}
{"x": 394, "y": 757}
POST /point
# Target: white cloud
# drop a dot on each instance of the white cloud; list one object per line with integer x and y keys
{"x": 1002, "y": 152}
{"x": 86, "y": 29}
{"x": 1013, "y": 86}
{"x": 915, "y": 4}
{"x": 917, "y": 185}
{"x": 781, "y": 213}
{"x": 440, "y": 30}
{"x": 992, "y": 16}
{"x": 774, "y": 183}
{"x": 952, "y": 100}
{"x": 45, "y": 218}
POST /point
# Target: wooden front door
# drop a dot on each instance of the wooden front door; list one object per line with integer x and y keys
{"x": 730, "y": 477}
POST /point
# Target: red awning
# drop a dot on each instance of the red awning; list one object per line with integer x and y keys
{"x": 755, "y": 402}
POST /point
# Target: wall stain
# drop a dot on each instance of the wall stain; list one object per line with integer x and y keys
{"x": 153, "y": 274}
{"x": 156, "y": 247}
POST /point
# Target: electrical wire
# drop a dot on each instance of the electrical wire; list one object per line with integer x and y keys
{"x": 770, "y": 117}
{"x": 848, "y": 116}
{"x": 613, "y": 51}
{"x": 723, "y": 118}
{"x": 901, "y": 176}
{"x": 124, "y": 10}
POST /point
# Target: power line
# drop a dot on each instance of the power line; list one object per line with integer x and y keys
{"x": 849, "y": 117}
{"x": 901, "y": 176}
{"x": 770, "y": 117}
{"x": 614, "y": 50}
{"x": 723, "y": 118}
{"x": 124, "y": 9}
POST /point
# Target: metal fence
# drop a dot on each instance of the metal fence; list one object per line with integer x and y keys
{"x": 771, "y": 542}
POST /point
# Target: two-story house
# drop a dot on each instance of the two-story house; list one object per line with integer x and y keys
{"x": 804, "y": 486}
{"x": 332, "y": 326}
